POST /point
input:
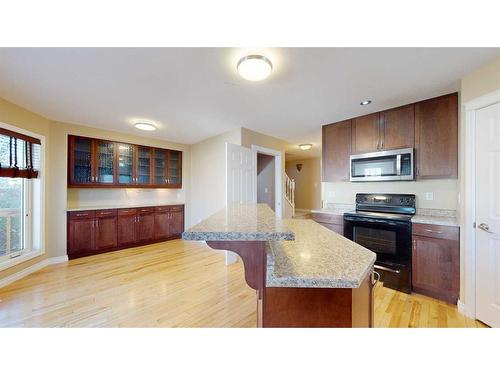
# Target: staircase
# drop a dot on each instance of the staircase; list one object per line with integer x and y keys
{"x": 289, "y": 191}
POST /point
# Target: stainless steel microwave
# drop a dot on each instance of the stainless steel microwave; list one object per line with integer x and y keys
{"x": 392, "y": 165}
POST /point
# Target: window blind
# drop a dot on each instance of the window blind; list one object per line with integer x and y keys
{"x": 19, "y": 155}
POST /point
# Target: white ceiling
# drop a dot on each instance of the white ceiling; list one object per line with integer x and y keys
{"x": 195, "y": 93}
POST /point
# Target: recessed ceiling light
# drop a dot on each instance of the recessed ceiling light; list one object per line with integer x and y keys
{"x": 145, "y": 126}
{"x": 365, "y": 102}
{"x": 305, "y": 146}
{"x": 254, "y": 67}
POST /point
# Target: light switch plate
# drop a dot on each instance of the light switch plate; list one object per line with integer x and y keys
{"x": 429, "y": 196}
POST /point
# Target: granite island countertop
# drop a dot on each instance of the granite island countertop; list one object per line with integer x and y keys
{"x": 300, "y": 253}
{"x": 240, "y": 222}
{"x": 318, "y": 258}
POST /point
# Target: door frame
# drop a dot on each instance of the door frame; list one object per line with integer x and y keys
{"x": 467, "y": 305}
{"x": 278, "y": 175}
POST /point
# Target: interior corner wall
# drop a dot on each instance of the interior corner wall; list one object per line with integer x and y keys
{"x": 307, "y": 182}
{"x": 208, "y": 174}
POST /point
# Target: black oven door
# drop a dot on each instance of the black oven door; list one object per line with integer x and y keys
{"x": 390, "y": 239}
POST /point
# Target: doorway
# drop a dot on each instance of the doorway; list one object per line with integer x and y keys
{"x": 266, "y": 184}
{"x": 269, "y": 171}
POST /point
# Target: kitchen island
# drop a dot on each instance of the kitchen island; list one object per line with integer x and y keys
{"x": 304, "y": 274}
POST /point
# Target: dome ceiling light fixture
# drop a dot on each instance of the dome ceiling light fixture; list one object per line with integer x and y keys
{"x": 305, "y": 146}
{"x": 365, "y": 102}
{"x": 145, "y": 126}
{"x": 254, "y": 67}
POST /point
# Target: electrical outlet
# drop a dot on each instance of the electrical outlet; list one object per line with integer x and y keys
{"x": 331, "y": 194}
{"x": 266, "y": 190}
{"x": 429, "y": 196}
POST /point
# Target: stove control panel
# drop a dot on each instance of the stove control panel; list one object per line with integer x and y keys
{"x": 397, "y": 203}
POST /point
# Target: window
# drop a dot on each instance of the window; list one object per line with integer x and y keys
{"x": 20, "y": 197}
{"x": 13, "y": 215}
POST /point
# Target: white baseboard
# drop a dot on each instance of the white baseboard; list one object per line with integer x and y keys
{"x": 33, "y": 268}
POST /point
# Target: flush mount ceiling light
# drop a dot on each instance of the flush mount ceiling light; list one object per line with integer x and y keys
{"x": 305, "y": 146}
{"x": 145, "y": 126}
{"x": 365, "y": 102}
{"x": 254, "y": 67}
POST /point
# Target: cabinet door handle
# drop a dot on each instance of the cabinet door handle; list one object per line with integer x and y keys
{"x": 97, "y": 223}
{"x": 434, "y": 231}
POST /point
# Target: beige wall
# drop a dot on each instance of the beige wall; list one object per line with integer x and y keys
{"x": 476, "y": 84}
{"x": 307, "y": 182}
{"x": 58, "y": 197}
{"x": 445, "y": 191}
{"x": 208, "y": 174}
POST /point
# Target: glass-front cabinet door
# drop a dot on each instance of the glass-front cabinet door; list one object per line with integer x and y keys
{"x": 160, "y": 167}
{"x": 126, "y": 164}
{"x": 143, "y": 165}
{"x": 81, "y": 165}
{"x": 105, "y": 171}
{"x": 174, "y": 167}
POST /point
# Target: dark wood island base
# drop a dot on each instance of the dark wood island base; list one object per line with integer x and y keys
{"x": 300, "y": 307}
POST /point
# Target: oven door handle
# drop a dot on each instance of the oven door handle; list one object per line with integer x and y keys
{"x": 382, "y": 268}
{"x": 377, "y": 221}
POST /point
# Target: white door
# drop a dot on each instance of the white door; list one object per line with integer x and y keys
{"x": 488, "y": 215}
{"x": 241, "y": 175}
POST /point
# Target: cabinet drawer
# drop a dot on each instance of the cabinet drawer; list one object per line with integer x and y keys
{"x": 127, "y": 211}
{"x": 328, "y": 218}
{"x": 105, "y": 213}
{"x": 81, "y": 214}
{"x": 146, "y": 210}
{"x": 162, "y": 209}
{"x": 436, "y": 231}
{"x": 176, "y": 208}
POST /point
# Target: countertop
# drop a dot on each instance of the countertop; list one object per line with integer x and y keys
{"x": 435, "y": 220}
{"x": 318, "y": 258}
{"x": 241, "y": 222}
{"x": 423, "y": 216}
{"x": 117, "y": 206}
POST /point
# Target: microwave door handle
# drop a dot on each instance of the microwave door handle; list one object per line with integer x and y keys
{"x": 398, "y": 165}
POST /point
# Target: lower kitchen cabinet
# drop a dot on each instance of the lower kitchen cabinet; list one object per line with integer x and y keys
{"x": 97, "y": 231}
{"x": 105, "y": 230}
{"x": 126, "y": 227}
{"x": 436, "y": 261}
{"x": 331, "y": 221}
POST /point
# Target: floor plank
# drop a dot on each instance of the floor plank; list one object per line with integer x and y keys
{"x": 173, "y": 284}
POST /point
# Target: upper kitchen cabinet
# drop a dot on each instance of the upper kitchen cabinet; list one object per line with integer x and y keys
{"x": 80, "y": 163}
{"x": 336, "y": 151}
{"x": 100, "y": 163}
{"x": 436, "y": 137}
{"x": 366, "y": 133}
{"x": 126, "y": 162}
{"x": 144, "y": 165}
{"x": 160, "y": 167}
{"x": 397, "y": 128}
{"x": 105, "y": 162}
{"x": 174, "y": 168}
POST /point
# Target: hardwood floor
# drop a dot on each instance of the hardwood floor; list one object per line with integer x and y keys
{"x": 173, "y": 284}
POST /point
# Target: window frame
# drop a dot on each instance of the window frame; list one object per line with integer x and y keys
{"x": 33, "y": 233}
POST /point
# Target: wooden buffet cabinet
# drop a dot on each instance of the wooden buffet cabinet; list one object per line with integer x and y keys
{"x": 97, "y": 231}
{"x": 97, "y": 163}
{"x": 429, "y": 126}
